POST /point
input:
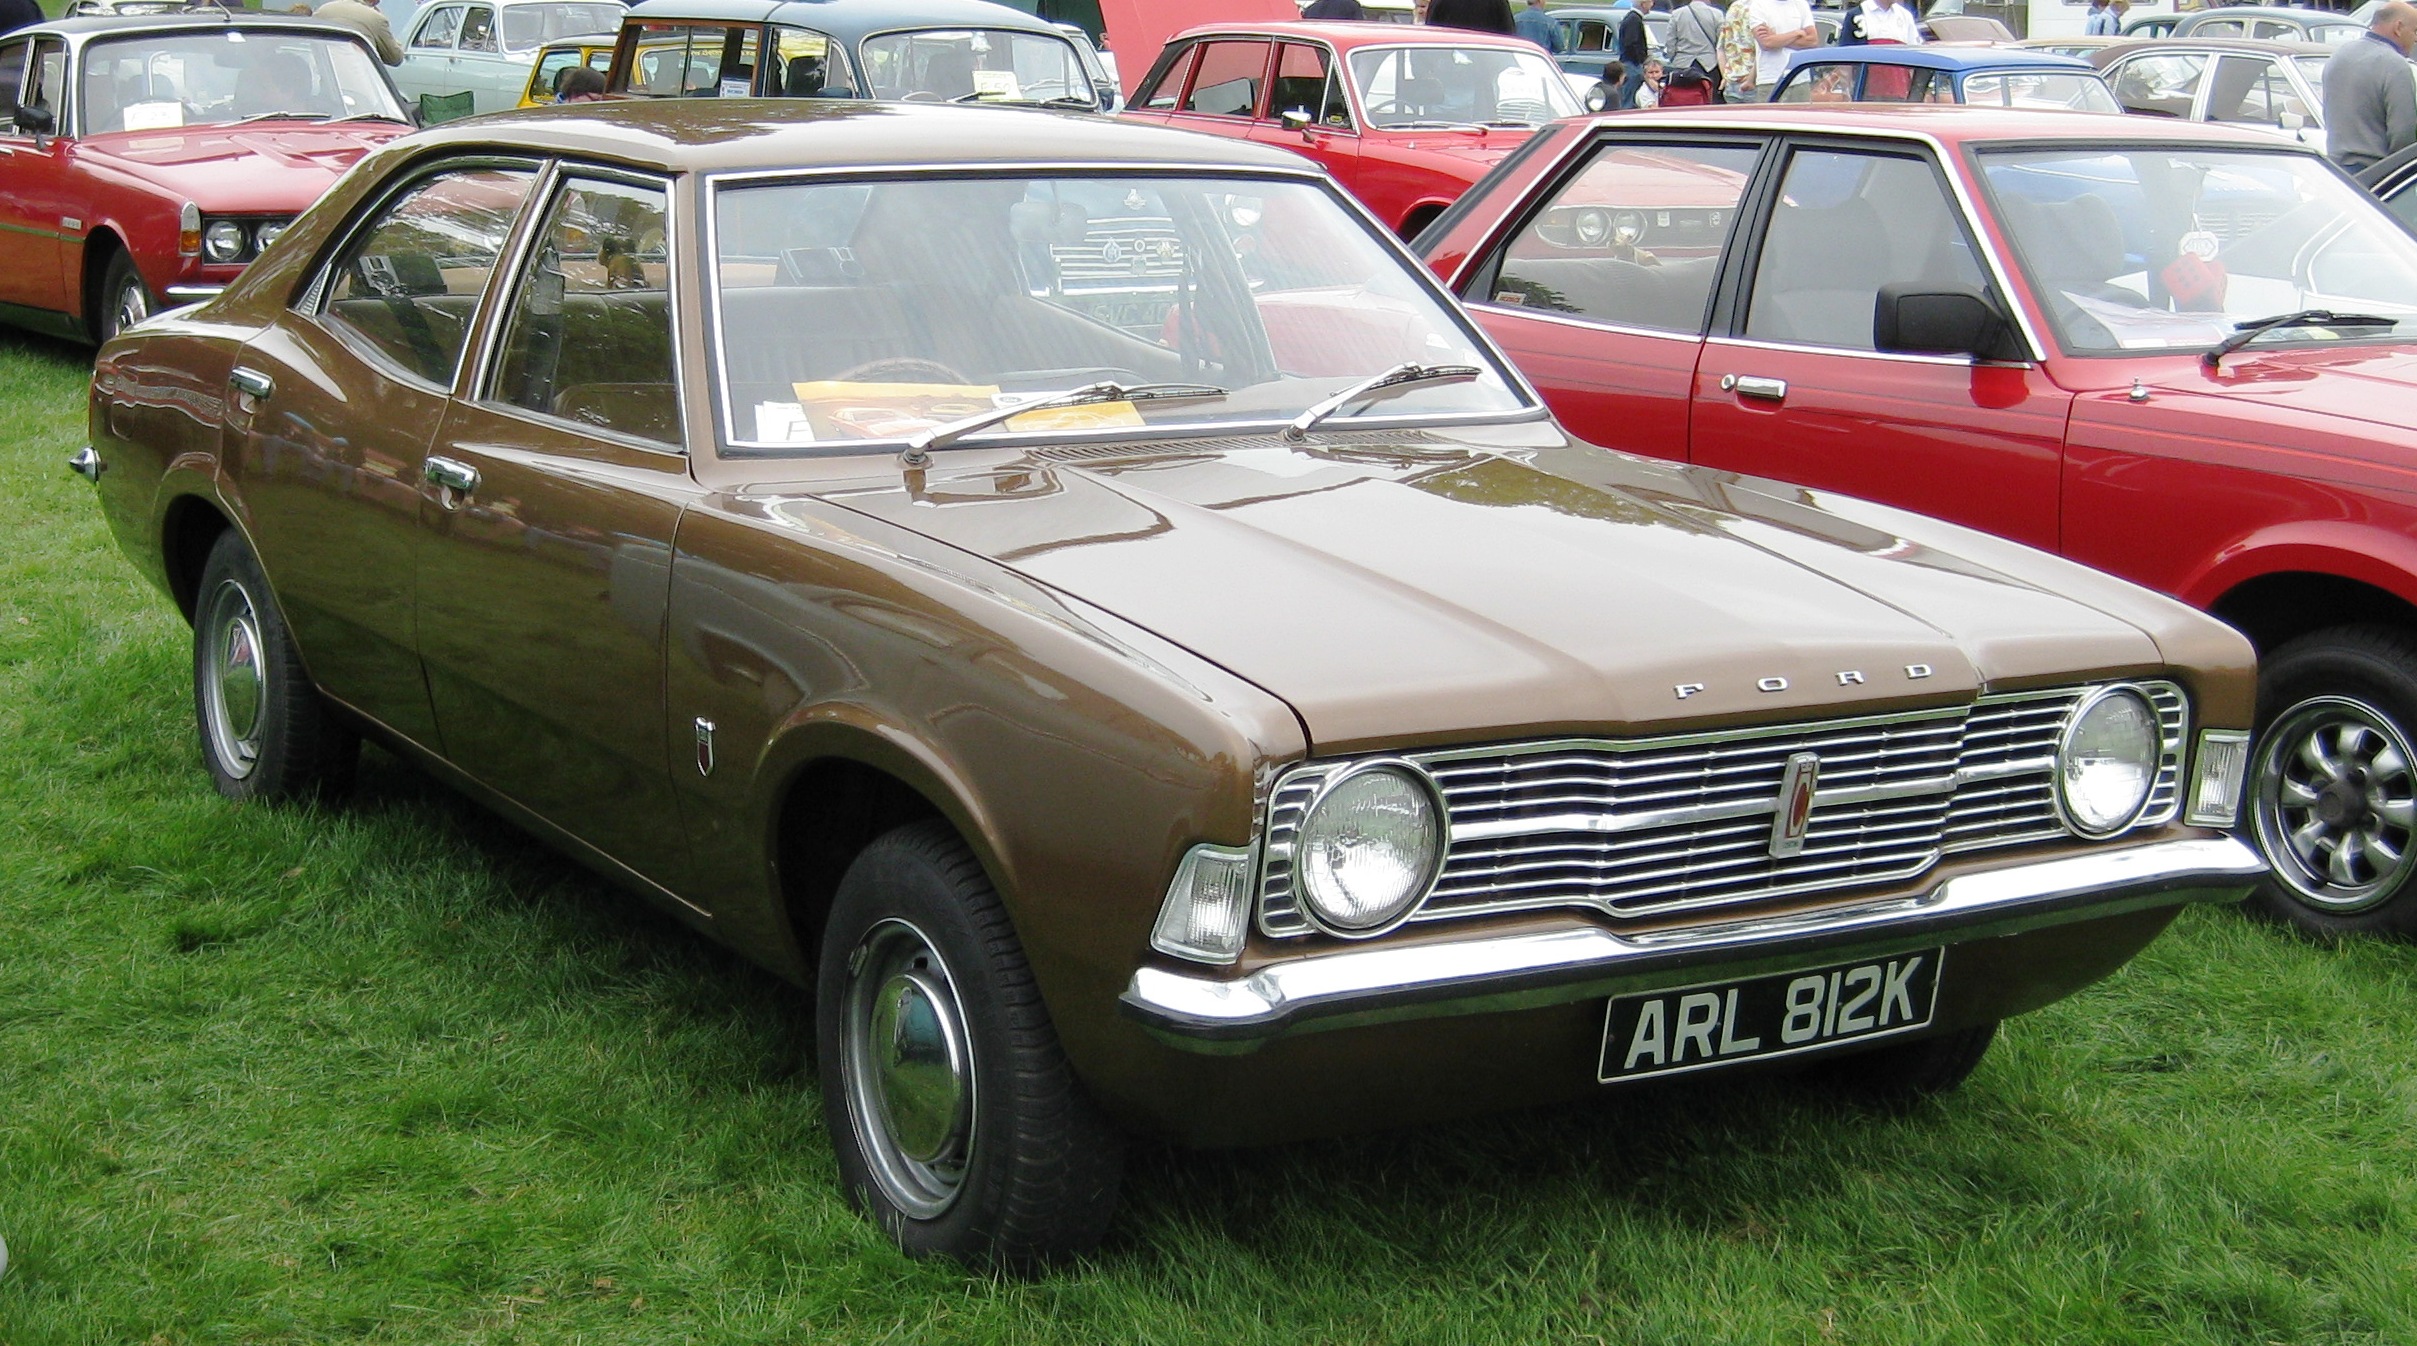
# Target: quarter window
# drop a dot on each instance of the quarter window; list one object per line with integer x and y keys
{"x": 408, "y": 284}
{"x": 2164, "y": 84}
{"x": 12, "y": 75}
{"x": 46, "y": 82}
{"x": 1162, "y": 96}
{"x": 1845, "y": 225}
{"x": 1614, "y": 245}
{"x": 589, "y": 340}
{"x": 1305, "y": 83}
{"x": 1227, "y": 84}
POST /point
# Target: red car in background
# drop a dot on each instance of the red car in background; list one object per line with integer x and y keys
{"x": 1405, "y": 118}
{"x": 147, "y": 160}
{"x": 2183, "y": 353}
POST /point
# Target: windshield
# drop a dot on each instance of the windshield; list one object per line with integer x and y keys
{"x": 851, "y": 312}
{"x": 2058, "y": 91}
{"x": 2154, "y": 248}
{"x": 159, "y": 81}
{"x": 986, "y": 65}
{"x": 1410, "y": 87}
{"x": 526, "y": 26}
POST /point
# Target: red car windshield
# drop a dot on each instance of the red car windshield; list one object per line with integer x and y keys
{"x": 160, "y": 81}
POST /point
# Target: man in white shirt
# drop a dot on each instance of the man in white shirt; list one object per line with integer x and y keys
{"x": 1780, "y": 26}
{"x": 1890, "y": 21}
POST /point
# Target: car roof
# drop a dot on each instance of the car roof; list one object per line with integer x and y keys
{"x": 852, "y": 19}
{"x": 108, "y": 25}
{"x": 1941, "y": 58}
{"x": 2310, "y": 17}
{"x": 1346, "y": 35}
{"x": 2255, "y": 45}
{"x": 710, "y": 135}
{"x": 1954, "y": 124}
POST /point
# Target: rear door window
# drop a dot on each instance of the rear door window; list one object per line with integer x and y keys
{"x": 589, "y": 339}
{"x": 436, "y": 32}
{"x": 1227, "y": 83}
{"x": 1847, "y": 223}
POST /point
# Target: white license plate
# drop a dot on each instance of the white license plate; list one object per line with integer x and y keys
{"x": 1724, "y": 1023}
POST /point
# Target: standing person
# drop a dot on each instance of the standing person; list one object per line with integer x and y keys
{"x": 1484, "y": 16}
{"x": 1736, "y": 51}
{"x": 1333, "y": 10}
{"x": 2101, "y": 22}
{"x": 1633, "y": 52}
{"x": 1778, "y": 27}
{"x": 1693, "y": 44}
{"x": 1888, "y": 22}
{"x": 2370, "y": 105}
{"x": 1538, "y": 27}
{"x": 363, "y": 16}
{"x": 16, "y": 14}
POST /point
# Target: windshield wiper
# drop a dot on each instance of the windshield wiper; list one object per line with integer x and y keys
{"x": 918, "y": 450}
{"x": 373, "y": 117}
{"x": 1406, "y": 375}
{"x": 280, "y": 116}
{"x": 2245, "y": 332}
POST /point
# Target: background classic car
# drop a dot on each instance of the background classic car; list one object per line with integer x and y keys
{"x": 657, "y": 474}
{"x": 144, "y": 159}
{"x": 1406, "y": 121}
{"x": 924, "y": 51}
{"x": 1987, "y": 77}
{"x": 2082, "y": 391}
{"x": 485, "y": 48}
{"x": 2279, "y": 86}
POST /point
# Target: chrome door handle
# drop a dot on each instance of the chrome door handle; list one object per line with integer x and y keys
{"x": 451, "y": 475}
{"x": 1749, "y": 385}
{"x": 251, "y": 382}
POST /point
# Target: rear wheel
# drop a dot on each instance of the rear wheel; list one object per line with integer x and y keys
{"x": 957, "y": 1124}
{"x": 266, "y": 733}
{"x": 2333, "y": 793}
{"x": 1906, "y": 1071}
{"x": 124, "y": 299}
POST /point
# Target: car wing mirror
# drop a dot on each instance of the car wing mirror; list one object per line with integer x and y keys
{"x": 35, "y": 120}
{"x": 1918, "y": 320}
{"x": 1295, "y": 119}
{"x": 2293, "y": 121}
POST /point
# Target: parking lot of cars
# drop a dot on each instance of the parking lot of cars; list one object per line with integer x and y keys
{"x": 1412, "y": 602}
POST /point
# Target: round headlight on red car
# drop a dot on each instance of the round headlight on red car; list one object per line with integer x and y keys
{"x": 224, "y": 241}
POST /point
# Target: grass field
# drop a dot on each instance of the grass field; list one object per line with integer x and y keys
{"x": 392, "y": 1073}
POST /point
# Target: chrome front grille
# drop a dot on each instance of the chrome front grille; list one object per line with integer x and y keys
{"x": 1654, "y": 826}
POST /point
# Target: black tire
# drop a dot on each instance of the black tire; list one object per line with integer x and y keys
{"x": 124, "y": 299}
{"x": 266, "y": 733}
{"x": 2333, "y": 783}
{"x": 1905, "y": 1072}
{"x": 976, "y": 1143}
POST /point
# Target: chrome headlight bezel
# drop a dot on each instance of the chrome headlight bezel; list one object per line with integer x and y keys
{"x": 225, "y": 241}
{"x": 2154, "y": 762}
{"x": 1402, "y": 909}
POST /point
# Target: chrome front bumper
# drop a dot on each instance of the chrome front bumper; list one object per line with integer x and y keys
{"x": 1205, "y": 1013}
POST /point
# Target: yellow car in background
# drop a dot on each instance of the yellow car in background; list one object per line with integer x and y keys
{"x": 593, "y": 50}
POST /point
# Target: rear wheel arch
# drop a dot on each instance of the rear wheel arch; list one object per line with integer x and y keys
{"x": 188, "y": 529}
{"x": 1419, "y": 217}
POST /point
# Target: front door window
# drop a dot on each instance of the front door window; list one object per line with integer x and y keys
{"x": 1306, "y": 84}
{"x": 407, "y": 286}
{"x": 1634, "y": 240}
{"x": 1227, "y": 84}
{"x": 436, "y": 32}
{"x": 1847, "y": 223}
{"x": 589, "y": 340}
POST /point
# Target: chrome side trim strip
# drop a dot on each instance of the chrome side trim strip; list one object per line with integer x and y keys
{"x": 194, "y": 294}
{"x": 1504, "y": 972}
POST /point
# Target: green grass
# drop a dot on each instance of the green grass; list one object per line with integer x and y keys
{"x": 392, "y": 1073}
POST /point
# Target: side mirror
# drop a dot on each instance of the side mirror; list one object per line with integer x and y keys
{"x": 1912, "y": 320}
{"x": 1295, "y": 119}
{"x": 2293, "y": 121}
{"x": 35, "y": 120}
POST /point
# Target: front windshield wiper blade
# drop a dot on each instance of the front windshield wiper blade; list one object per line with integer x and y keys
{"x": 373, "y": 117}
{"x": 279, "y": 116}
{"x": 1406, "y": 375}
{"x": 918, "y": 450}
{"x": 2246, "y": 332}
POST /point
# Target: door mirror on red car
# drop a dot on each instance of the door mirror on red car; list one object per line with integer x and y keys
{"x": 1918, "y": 321}
{"x": 35, "y": 120}
{"x": 1295, "y": 119}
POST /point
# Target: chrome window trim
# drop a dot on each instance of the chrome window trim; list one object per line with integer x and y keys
{"x": 711, "y": 185}
{"x": 312, "y": 303}
{"x": 480, "y": 390}
{"x": 1587, "y": 324}
{"x": 1900, "y": 357}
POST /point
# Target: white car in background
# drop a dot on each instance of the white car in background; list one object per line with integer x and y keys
{"x": 486, "y": 47}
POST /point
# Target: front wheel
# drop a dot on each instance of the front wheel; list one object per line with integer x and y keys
{"x": 266, "y": 733}
{"x": 124, "y": 300}
{"x": 2333, "y": 792}
{"x": 956, "y": 1121}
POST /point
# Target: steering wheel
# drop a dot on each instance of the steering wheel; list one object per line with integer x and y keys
{"x": 901, "y": 369}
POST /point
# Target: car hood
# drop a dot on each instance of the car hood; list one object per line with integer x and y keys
{"x": 1470, "y": 152}
{"x": 2370, "y": 383}
{"x": 1400, "y": 592}
{"x": 267, "y": 166}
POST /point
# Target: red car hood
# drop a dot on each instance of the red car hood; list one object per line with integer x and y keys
{"x": 1470, "y": 153}
{"x": 278, "y": 167}
{"x": 2367, "y": 383}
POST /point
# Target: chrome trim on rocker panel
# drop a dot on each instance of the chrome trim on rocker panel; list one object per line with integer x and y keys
{"x": 1491, "y": 974}
{"x": 1679, "y": 823}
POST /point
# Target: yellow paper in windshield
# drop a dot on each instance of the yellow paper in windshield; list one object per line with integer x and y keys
{"x": 1094, "y": 416}
{"x": 891, "y": 410}
{"x": 996, "y": 84}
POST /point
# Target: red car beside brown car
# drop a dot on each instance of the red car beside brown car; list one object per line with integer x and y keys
{"x": 146, "y": 161}
{"x": 2177, "y": 352}
{"x": 1229, "y": 710}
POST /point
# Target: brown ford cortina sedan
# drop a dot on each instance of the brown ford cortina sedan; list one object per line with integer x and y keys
{"x": 1081, "y": 598}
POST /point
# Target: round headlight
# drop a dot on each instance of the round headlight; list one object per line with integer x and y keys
{"x": 1369, "y": 848}
{"x": 267, "y": 233}
{"x": 2106, "y": 761}
{"x": 223, "y": 241}
{"x": 1627, "y": 227}
{"x": 1590, "y": 227}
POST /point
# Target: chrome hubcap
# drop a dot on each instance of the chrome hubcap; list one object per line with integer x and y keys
{"x": 908, "y": 1067}
{"x": 133, "y": 305}
{"x": 234, "y": 686}
{"x": 2337, "y": 803}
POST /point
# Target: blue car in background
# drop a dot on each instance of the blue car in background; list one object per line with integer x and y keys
{"x": 1985, "y": 76}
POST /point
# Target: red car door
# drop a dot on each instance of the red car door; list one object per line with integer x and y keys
{"x": 36, "y": 207}
{"x": 1795, "y": 388}
{"x": 1601, "y": 294}
{"x": 1309, "y": 83}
